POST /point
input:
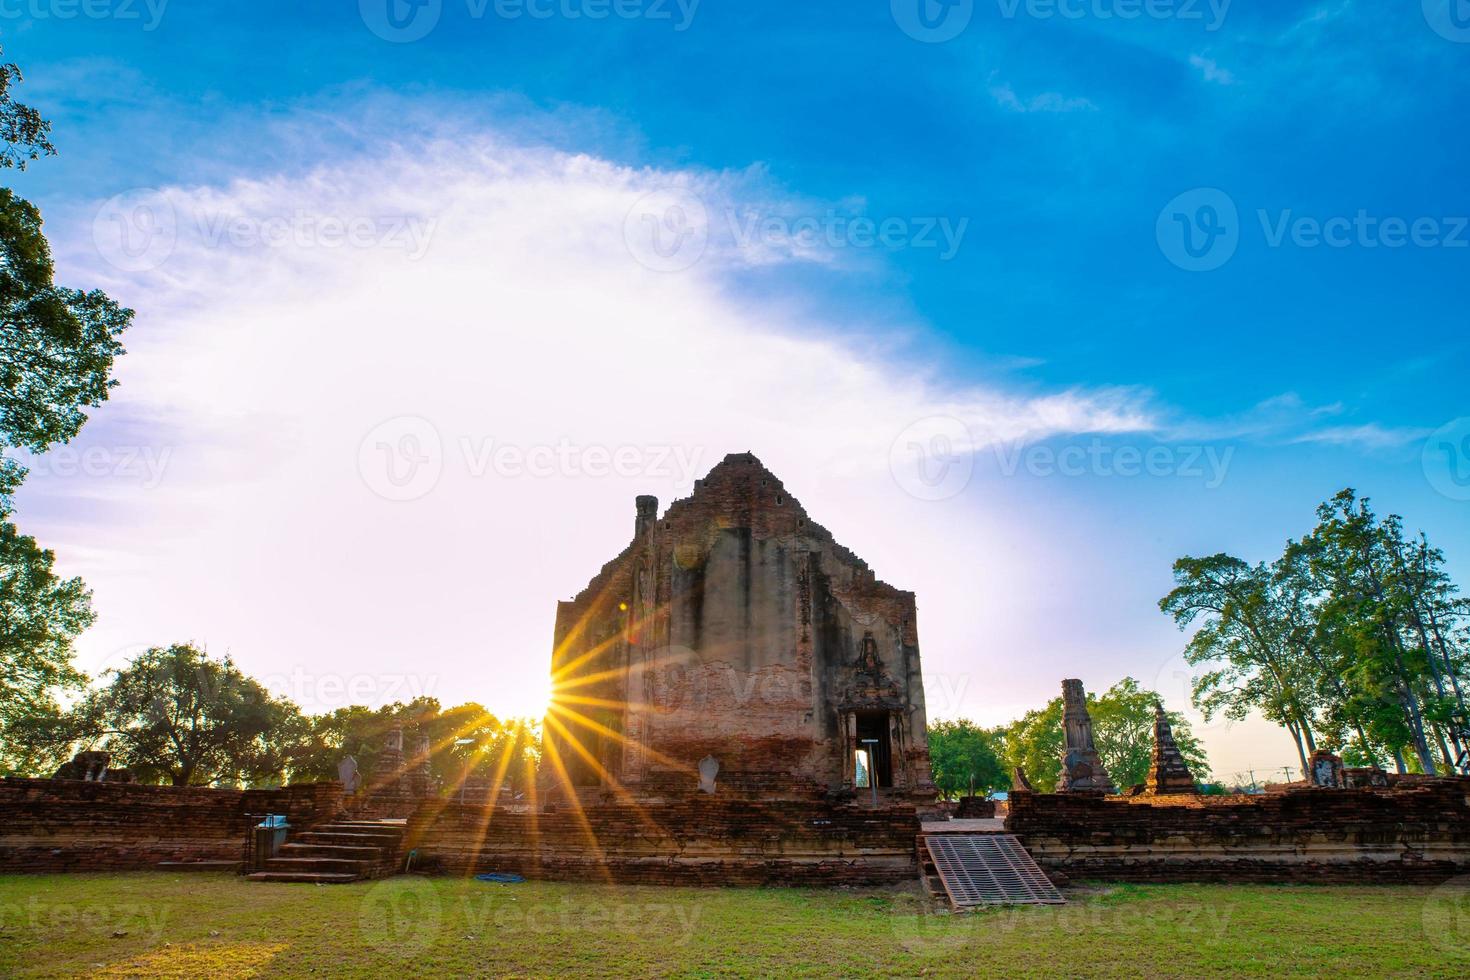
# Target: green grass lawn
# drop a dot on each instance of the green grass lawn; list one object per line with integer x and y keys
{"x": 155, "y": 924}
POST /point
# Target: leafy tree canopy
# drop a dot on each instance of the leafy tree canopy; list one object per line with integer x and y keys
{"x": 962, "y": 754}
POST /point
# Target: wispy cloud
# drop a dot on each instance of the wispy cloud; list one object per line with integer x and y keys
{"x": 1211, "y": 71}
{"x": 1005, "y": 96}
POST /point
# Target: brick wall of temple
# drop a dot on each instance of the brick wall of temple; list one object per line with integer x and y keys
{"x": 732, "y": 627}
{"x": 1418, "y": 830}
{"x": 700, "y": 840}
{"x": 69, "y": 825}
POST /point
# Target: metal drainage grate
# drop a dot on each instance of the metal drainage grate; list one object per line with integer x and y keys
{"x": 989, "y": 869}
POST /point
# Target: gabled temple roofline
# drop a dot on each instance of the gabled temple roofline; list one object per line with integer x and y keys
{"x": 731, "y": 462}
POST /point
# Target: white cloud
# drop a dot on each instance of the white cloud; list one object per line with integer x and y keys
{"x": 309, "y": 328}
{"x": 1211, "y": 71}
{"x": 1005, "y": 97}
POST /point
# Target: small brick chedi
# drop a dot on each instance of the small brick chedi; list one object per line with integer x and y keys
{"x": 735, "y": 648}
{"x": 1168, "y": 773}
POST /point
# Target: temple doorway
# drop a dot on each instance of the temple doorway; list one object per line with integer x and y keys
{"x": 874, "y": 740}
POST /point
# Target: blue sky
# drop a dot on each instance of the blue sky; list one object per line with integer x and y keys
{"x": 1073, "y": 150}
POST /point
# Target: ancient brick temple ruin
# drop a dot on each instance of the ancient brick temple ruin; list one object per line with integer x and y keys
{"x": 735, "y": 648}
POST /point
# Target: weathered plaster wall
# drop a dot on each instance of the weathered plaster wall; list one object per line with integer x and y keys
{"x": 733, "y": 627}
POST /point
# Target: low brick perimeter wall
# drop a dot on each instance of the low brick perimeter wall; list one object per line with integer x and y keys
{"x": 695, "y": 841}
{"x": 70, "y": 825}
{"x": 1415, "y": 832}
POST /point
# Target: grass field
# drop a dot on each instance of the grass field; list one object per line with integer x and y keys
{"x": 215, "y": 925}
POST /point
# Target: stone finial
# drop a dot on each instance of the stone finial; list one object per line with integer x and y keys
{"x": 1019, "y": 782}
{"x": 1082, "y": 768}
{"x": 647, "y": 514}
{"x": 1169, "y": 774}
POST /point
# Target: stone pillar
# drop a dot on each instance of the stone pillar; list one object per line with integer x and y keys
{"x": 1169, "y": 774}
{"x": 1082, "y": 767}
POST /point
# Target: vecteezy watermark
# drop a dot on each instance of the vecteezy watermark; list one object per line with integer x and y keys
{"x": 402, "y": 21}
{"x": 833, "y": 230}
{"x": 671, "y": 922}
{"x": 139, "y": 230}
{"x": 1446, "y": 459}
{"x": 1210, "y": 13}
{"x": 1174, "y": 683}
{"x": 400, "y": 917}
{"x": 933, "y": 458}
{"x": 328, "y": 691}
{"x": 148, "y": 14}
{"x": 566, "y": 458}
{"x": 403, "y": 458}
{"x": 669, "y": 230}
{"x": 932, "y": 21}
{"x": 1450, "y": 19}
{"x": 1100, "y": 458}
{"x": 99, "y": 919}
{"x": 143, "y": 465}
{"x": 1446, "y": 917}
{"x": 136, "y": 231}
{"x": 1200, "y": 230}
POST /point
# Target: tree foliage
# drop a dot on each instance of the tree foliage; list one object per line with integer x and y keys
{"x": 57, "y": 348}
{"x": 41, "y": 613}
{"x": 963, "y": 754}
{"x": 1353, "y": 639}
{"x": 24, "y": 134}
{"x": 1122, "y": 730}
{"x": 177, "y": 715}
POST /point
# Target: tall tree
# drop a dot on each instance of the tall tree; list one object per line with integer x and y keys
{"x": 1244, "y": 644}
{"x": 176, "y": 715}
{"x": 57, "y": 348}
{"x": 40, "y": 615}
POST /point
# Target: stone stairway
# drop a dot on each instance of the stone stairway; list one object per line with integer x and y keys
{"x": 336, "y": 853}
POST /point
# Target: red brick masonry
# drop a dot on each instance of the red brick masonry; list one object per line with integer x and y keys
{"x": 1416, "y": 831}
{"x": 70, "y": 825}
{"x": 703, "y": 840}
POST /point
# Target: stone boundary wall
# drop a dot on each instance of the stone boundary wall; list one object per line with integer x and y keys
{"x": 1417, "y": 831}
{"x": 49, "y": 825}
{"x": 694, "y": 841}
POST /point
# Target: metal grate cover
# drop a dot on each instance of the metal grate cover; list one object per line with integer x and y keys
{"x": 989, "y": 869}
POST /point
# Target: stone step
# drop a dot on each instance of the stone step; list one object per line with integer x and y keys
{"x": 351, "y": 840}
{"x": 304, "y": 849}
{"x": 372, "y": 830}
{"x": 338, "y": 865}
{"x": 303, "y": 877}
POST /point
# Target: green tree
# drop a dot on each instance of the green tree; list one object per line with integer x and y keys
{"x": 57, "y": 348}
{"x": 40, "y": 615}
{"x": 963, "y": 754}
{"x": 1035, "y": 743}
{"x": 464, "y": 740}
{"x": 1122, "y": 730}
{"x": 24, "y": 135}
{"x": 176, "y": 715}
